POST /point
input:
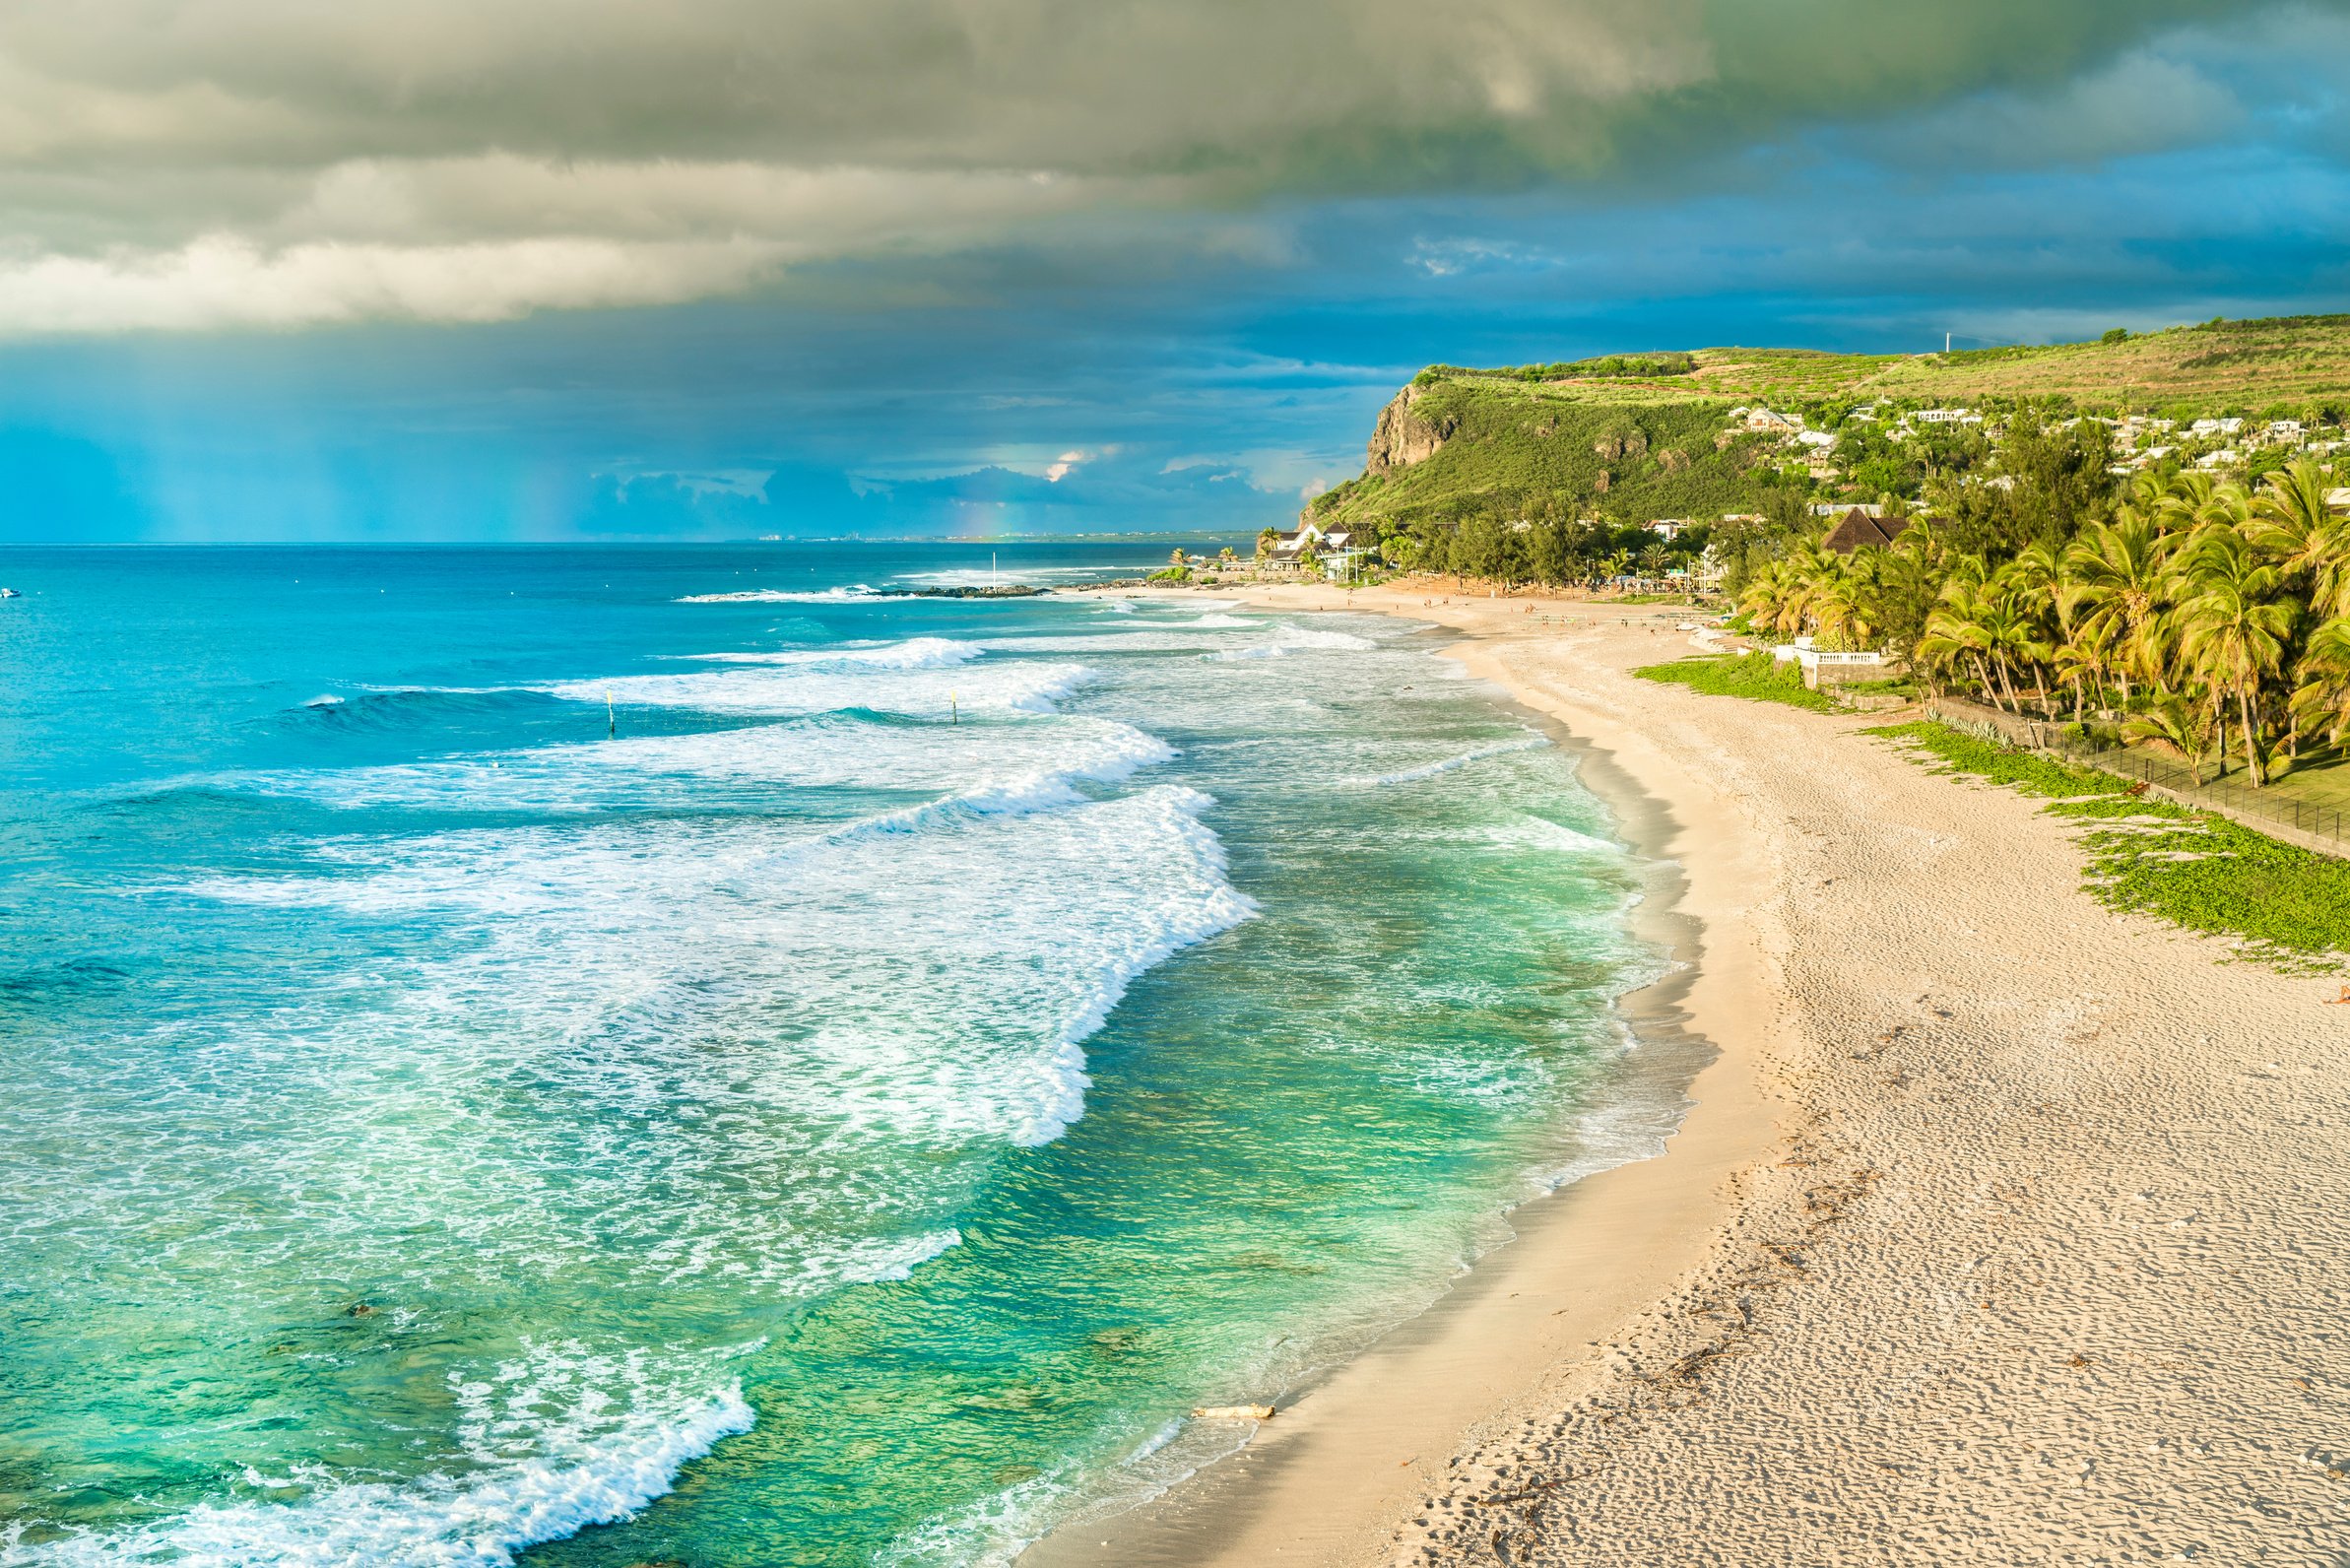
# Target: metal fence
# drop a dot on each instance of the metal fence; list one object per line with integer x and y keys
{"x": 2324, "y": 828}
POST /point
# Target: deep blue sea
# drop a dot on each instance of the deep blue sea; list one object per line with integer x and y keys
{"x": 676, "y": 1055}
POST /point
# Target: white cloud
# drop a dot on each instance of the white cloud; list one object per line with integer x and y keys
{"x": 223, "y": 281}
{"x": 493, "y": 238}
{"x": 814, "y": 210}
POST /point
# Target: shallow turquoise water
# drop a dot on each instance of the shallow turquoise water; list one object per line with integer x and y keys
{"x": 629, "y": 1054}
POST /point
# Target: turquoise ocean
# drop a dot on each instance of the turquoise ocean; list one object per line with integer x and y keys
{"x": 682, "y": 1055}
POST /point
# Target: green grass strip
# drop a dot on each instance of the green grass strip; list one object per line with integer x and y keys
{"x": 1754, "y": 676}
{"x": 2286, "y": 906}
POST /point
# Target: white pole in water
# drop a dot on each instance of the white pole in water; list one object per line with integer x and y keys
{"x": 612, "y": 720}
{"x": 991, "y": 570}
{"x": 954, "y": 711}
{"x": 1946, "y": 343}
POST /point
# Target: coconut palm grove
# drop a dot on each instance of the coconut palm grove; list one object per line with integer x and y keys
{"x": 2206, "y": 617}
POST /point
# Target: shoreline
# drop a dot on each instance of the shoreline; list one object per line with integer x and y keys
{"x": 2007, "y": 1227}
{"x": 1334, "y": 1474}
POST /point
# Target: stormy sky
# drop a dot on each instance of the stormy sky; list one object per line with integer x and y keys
{"x": 521, "y": 268}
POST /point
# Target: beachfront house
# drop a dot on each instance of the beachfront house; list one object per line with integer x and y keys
{"x": 1292, "y": 547}
{"x": 1339, "y": 551}
{"x": 1343, "y": 552}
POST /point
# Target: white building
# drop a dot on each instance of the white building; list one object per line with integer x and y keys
{"x": 1820, "y": 665}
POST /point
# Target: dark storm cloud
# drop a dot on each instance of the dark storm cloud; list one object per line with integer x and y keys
{"x": 278, "y": 162}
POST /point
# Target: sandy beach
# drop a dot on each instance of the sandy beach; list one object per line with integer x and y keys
{"x": 2000, "y": 1229}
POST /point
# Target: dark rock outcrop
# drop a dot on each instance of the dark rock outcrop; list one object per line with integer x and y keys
{"x": 1403, "y": 437}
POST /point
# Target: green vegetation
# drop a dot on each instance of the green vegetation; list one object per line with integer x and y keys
{"x": 2193, "y": 618}
{"x": 1624, "y": 439}
{"x": 2284, "y": 366}
{"x": 1612, "y": 366}
{"x": 1515, "y": 451}
{"x": 2292, "y": 365}
{"x": 2286, "y": 906}
{"x": 1755, "y": 675}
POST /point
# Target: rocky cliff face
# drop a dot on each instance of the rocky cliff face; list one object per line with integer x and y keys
{"x": 1403, "y": 437}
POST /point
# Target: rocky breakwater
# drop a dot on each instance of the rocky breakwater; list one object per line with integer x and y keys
{"x": 1011, "y": 590}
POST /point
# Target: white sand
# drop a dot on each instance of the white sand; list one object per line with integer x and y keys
{"x": 2005, "y": 1230}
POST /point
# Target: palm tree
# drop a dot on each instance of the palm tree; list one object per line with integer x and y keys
{"x": 1806, "y": 573}
{"x": 2036, "y": 575}
{"x": 2234, "y": 629}
{"x": 2322, "y": 698}
{"x": 2171, "y": 719}
{"x": 1839, "y": 603}
{"x": 2182, "y": 502}
{"x": 1985, "y": 626}
{"x": 2293, "y": 521}
{"x": 2077, "y": 663}
{"x": 2113, "y": 579}
{"x": 1758, "y": 601}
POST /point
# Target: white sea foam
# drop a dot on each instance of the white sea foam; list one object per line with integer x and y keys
{"x": 1139, "y": 639}
{"x": 1017, "y": 686}
{"x": 989, "y": 1532}
{"x": 1542, "y": 834}
{"x": 1530, "y": 742}
{"x": 915, "y": 653}
{"x": 825, "y": 751}
{"x": 1008, "y": 576}
{"x": 539, "y": 1474}
{"x": 941, "y": 970}
{"x": 783, "y": 596}
{"x": 1287, "y": 640}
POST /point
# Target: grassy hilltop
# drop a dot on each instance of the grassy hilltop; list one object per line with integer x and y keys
{"x": 1639, "y": 437}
